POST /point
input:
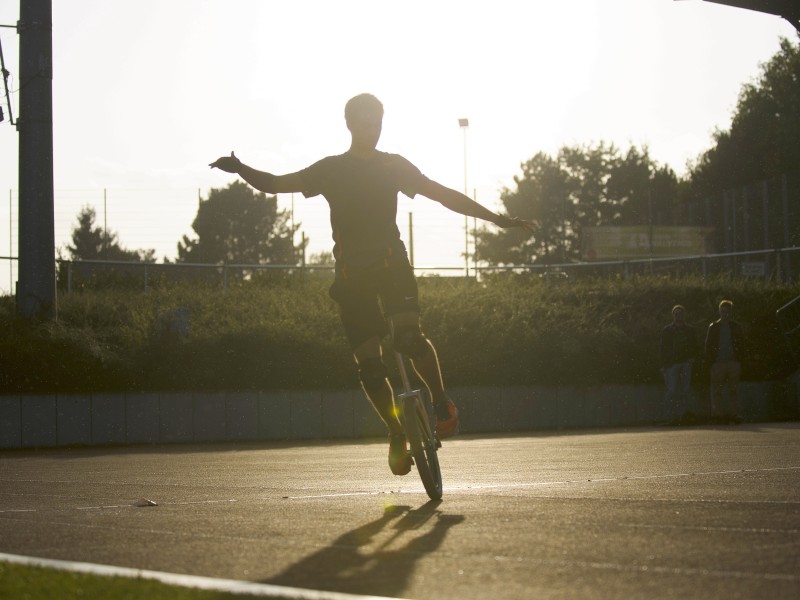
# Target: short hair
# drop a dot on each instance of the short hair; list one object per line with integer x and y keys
{"x": 727, "y": 303}
{"x": 676, "y": 308}
{"x": 360, "y": 104}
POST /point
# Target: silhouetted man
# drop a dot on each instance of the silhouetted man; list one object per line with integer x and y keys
{"x": 374, "y": 282}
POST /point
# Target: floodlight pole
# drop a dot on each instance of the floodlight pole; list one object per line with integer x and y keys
{"x": 36, "y": 288}
{"x": 464, "y": 124}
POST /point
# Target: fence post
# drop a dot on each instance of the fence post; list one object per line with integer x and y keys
{"x": 767, "y": 242}
{"x": 475, "y": 242}
{"x": 69, "y": 278}
{"x": 411, "y": 238}
{"x": 145, "y": 278}
{"x": 305, "y": 271}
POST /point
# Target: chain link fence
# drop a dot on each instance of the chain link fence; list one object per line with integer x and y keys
{"x": 756, "y": 230}
{"x": 778, "y": 265}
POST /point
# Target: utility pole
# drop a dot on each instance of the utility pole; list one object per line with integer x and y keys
{"x": 464, "y": 124}
{"x": 36, "y": 288}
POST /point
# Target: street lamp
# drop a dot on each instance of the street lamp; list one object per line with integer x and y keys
{"x": 464, "y": 123}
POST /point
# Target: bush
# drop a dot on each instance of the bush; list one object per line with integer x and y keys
{"x": 506, "y": 329}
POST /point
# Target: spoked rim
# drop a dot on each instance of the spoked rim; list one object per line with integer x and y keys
{"x": 423, "y": 446}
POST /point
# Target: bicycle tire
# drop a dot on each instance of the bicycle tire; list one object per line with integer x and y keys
{"x": 423, "y": 446}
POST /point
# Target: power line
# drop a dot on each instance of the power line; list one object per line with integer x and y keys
{"x": 6, "y": 75}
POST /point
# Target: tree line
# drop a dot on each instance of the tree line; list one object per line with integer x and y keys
{"x": 584, "y": 185}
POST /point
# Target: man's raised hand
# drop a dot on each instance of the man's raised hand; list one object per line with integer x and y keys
{"x": 506, "y": 222}
{"x": 229, "y": 164}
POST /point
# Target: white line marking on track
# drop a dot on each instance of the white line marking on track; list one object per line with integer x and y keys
{"x": 232, "y": 586}
{"x": 134, "y": 505}
{"x": 510, "y": 486}
{"x": 658, "y": 569}
{"x": 110, "y": 506}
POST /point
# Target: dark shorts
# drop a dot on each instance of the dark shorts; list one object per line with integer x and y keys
{"x": 367, "y": 296}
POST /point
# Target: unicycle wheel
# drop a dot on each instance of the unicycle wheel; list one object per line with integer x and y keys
{"x": 423, "y": 445}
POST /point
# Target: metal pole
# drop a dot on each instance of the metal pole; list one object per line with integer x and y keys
{"x": 765, "y": 214}
{"x": 725, "y": 224}
{"x": 10, "y": 248}
{"x": 411, "y": 238}
{"x": 785, "y": 202}
{"x": 303, "y": 261}
{"x": 475, "y": 236}
{"x": 294, "y": 248}
{"x": 36, "y": 291}
{"x": 105, "y": 224}
{"x": 787, "y": 266}
{"x": 746, "y": 218}
{"x": 734, "y": 224}
{"x": 464, "y": 123}
{"x": 650, "y": 219}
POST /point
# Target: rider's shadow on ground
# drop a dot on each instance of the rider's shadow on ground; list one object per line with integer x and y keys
{"x": 376, "y": 558}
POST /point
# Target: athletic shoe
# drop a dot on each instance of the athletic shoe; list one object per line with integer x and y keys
{"x": 399, "y": 457}
{"x": 446, "y": 419}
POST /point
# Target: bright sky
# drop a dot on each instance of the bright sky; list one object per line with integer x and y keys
{"x": 147, "y": 93}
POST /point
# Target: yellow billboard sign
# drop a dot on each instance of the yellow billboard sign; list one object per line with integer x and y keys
{"x": 624, "y": 243}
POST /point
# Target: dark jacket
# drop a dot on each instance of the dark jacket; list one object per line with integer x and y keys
{"x": 712, "y": 341}
{"x": 678, "y": 345}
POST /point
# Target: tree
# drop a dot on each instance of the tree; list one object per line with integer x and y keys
{"x": 90, "y": 242}
{"x": 583, "y": 186}
{"x": 588, "y": 169}
{"x": 93, "y": 243}
{"x": 323, "y": 257}
{"x": 643, "y": 192}
{"x": 762, "y": 140}
{"x": 239, "y": 225}
{"x": 543, "y": 196}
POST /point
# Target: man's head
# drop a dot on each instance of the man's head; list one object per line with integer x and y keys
{"x": 363, "y": 104}
{"x": 725, "y": 309}
{"x": 678, "y": 313}
{"x": 364, "y": 117}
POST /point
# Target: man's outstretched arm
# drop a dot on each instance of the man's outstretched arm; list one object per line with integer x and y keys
{"x": 460, "y": 203}
{"x": 261, "y": 180}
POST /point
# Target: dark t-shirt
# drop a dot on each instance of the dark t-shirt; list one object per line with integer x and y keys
{"x": 362, "y": 195}
{"x": 684, "y": 345}
{"x": 678, "y": 344}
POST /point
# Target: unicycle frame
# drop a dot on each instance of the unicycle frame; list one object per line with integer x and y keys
{"x": 421, "y": 437}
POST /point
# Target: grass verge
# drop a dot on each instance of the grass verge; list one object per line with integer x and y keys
{"x": 22, "y": 582}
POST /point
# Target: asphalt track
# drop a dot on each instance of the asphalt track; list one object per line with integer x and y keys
{"x": 695, "y": 512}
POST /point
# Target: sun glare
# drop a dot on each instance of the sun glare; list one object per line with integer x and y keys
{"x": 166, "y": 95}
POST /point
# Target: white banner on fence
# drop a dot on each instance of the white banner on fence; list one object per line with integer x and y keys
{"x": 620, "y": 243}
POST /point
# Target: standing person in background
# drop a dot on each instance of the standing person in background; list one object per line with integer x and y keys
{"x": 724, "y": 354}
{"x": 678, "y": 354}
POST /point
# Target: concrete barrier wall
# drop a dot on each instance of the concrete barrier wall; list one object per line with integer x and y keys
{"x": 107, "y": 419}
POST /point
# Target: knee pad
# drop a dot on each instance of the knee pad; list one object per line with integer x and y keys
{"x": 372, "y": 373}
{"x": 410, "y": 341}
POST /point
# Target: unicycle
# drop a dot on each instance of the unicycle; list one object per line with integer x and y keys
{"x": 421, "y": 437}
